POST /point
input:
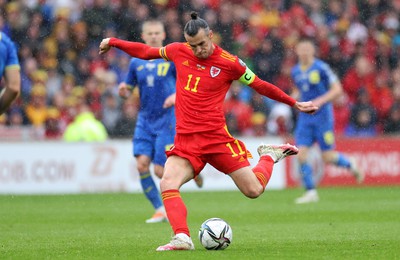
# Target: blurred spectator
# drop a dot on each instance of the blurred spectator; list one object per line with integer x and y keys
{"x": 260, "y": 103}
{"x": 85, "y": 127}
{"x": 16, "y": 117}
{"x": 53, "y": 127}
{"x": 125, "y": 126}
{"x": 363, "y": 117}
{"x": 111, "y": 112}
{"x": 240, "y": 110}
{"x": 36, "y": 110}
{"x": 268, "y": 59}
{"x": 98, "y": 16}
{"x": 358, "y": 77}
{"x": 280, "y": 120}
{"x": 258, "y": 125}
{"x": 392, "y": 123}
{"x": 341, "y": 112}
{"x": 380, "y": 95}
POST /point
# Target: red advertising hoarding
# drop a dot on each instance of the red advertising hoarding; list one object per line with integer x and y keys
{"x": 379, "y": 158}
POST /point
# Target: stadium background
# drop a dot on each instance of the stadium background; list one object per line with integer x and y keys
{"x": 58, "y": 49}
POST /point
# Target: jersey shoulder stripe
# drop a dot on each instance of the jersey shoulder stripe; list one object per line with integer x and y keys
{"x": 228, "y": 56}
{"x": 187, "y": 46}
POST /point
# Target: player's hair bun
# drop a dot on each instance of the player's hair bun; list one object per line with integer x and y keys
{"x": 194, "y": 15}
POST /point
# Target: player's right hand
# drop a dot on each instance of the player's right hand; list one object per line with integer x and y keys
{"x": 124, "y": 90}
{"x": 306, "y": 107}
{"x": 104, "y": 47}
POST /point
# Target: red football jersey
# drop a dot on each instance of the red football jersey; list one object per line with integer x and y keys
{"x": 201, "y": 86}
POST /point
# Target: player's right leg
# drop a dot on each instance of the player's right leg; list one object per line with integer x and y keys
{"x": 343, "y": 161}
{"x": 199, "y": 180}
{"x": 252, "y": 182}
{"x": 277, "y": 152}
{"x": 306, "y": 172}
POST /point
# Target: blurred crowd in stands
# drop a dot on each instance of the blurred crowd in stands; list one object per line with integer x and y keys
{"x": 63, "y": 75}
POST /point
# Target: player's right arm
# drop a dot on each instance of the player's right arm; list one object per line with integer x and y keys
{"x": 135, "y": 49}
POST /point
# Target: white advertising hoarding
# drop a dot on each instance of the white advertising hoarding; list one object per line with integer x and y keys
{"x": 60, "y": 168}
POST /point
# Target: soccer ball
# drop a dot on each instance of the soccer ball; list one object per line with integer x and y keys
{"x": 215, "y": 234}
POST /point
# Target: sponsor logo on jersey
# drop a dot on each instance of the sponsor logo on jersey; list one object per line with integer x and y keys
{"x": 214, "y": 71}
{"x": 314, "y": 77}
{"x": 185, "y": 63}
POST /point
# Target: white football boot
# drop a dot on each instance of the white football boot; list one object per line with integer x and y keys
{"x": 356, "y": 171}
{"x": 308, "y": 197}
{"x": 180, "y": 241}
{"x": 158, "y": 216}
{"x": 277, "y": 152}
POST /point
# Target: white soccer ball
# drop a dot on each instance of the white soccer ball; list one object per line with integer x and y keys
{"x": 215, "y": 234}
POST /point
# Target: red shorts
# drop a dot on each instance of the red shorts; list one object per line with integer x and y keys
{"x": 218, "y": 148}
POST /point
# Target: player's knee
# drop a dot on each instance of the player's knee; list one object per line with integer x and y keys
{"x": 168, "y": 182}
{"x": 143, "y": 167}
{"x": 254, "y": 192}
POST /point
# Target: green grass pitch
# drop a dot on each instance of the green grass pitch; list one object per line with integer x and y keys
{"x": 348, "y": 223}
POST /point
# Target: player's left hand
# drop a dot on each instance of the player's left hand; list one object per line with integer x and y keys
{"x": 169, "y": 101}
{"x": 306, "y": 107}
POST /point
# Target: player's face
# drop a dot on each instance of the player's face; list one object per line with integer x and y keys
{"x": 305, "y": 51}
{"x": 201, "y": 44}
{"x": 153, "y": 34}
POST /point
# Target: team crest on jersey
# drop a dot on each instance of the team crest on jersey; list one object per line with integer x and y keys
{"x": 214, "y": 71}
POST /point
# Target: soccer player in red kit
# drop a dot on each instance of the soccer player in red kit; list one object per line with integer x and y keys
{"x": 204, "y": 75}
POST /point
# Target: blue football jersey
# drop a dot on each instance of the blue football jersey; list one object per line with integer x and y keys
{"x": 156, "y": 81}
{"x": 312, "y": 83}
{"x": 8, "y": 54}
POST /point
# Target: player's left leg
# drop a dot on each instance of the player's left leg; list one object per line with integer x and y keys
{"x": 326, "y": 141}
{"x": 340, "y": 160}
{"x": 177, "y": 171}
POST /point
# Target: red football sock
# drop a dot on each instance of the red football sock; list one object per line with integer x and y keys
{"x": 263, "y": 169}
{"x": 176, "y": 211}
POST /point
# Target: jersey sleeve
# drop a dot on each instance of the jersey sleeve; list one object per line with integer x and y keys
{"x": 328, "y": 73}
{"x": 264, "y": 88}
{"x": 239, "y": 70}
{"x": 131, "y": 79}
{"x": 136, "y": 49}
{"x": 12, "y": 56}
{"x": 169, "y": 51}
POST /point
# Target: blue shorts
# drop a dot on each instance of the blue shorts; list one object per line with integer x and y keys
{"x": 153, "y": 144}
{"x": 308, "y": 133}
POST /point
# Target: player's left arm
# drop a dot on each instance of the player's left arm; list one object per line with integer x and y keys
{"x": 335, "y": 90}
{"x": 270, "y": 90}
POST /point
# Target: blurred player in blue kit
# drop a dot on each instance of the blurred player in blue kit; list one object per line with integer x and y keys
{"x": 155, "y": 127}
{"x": 9, "y": 71}
{"x": 314, "y": 80}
